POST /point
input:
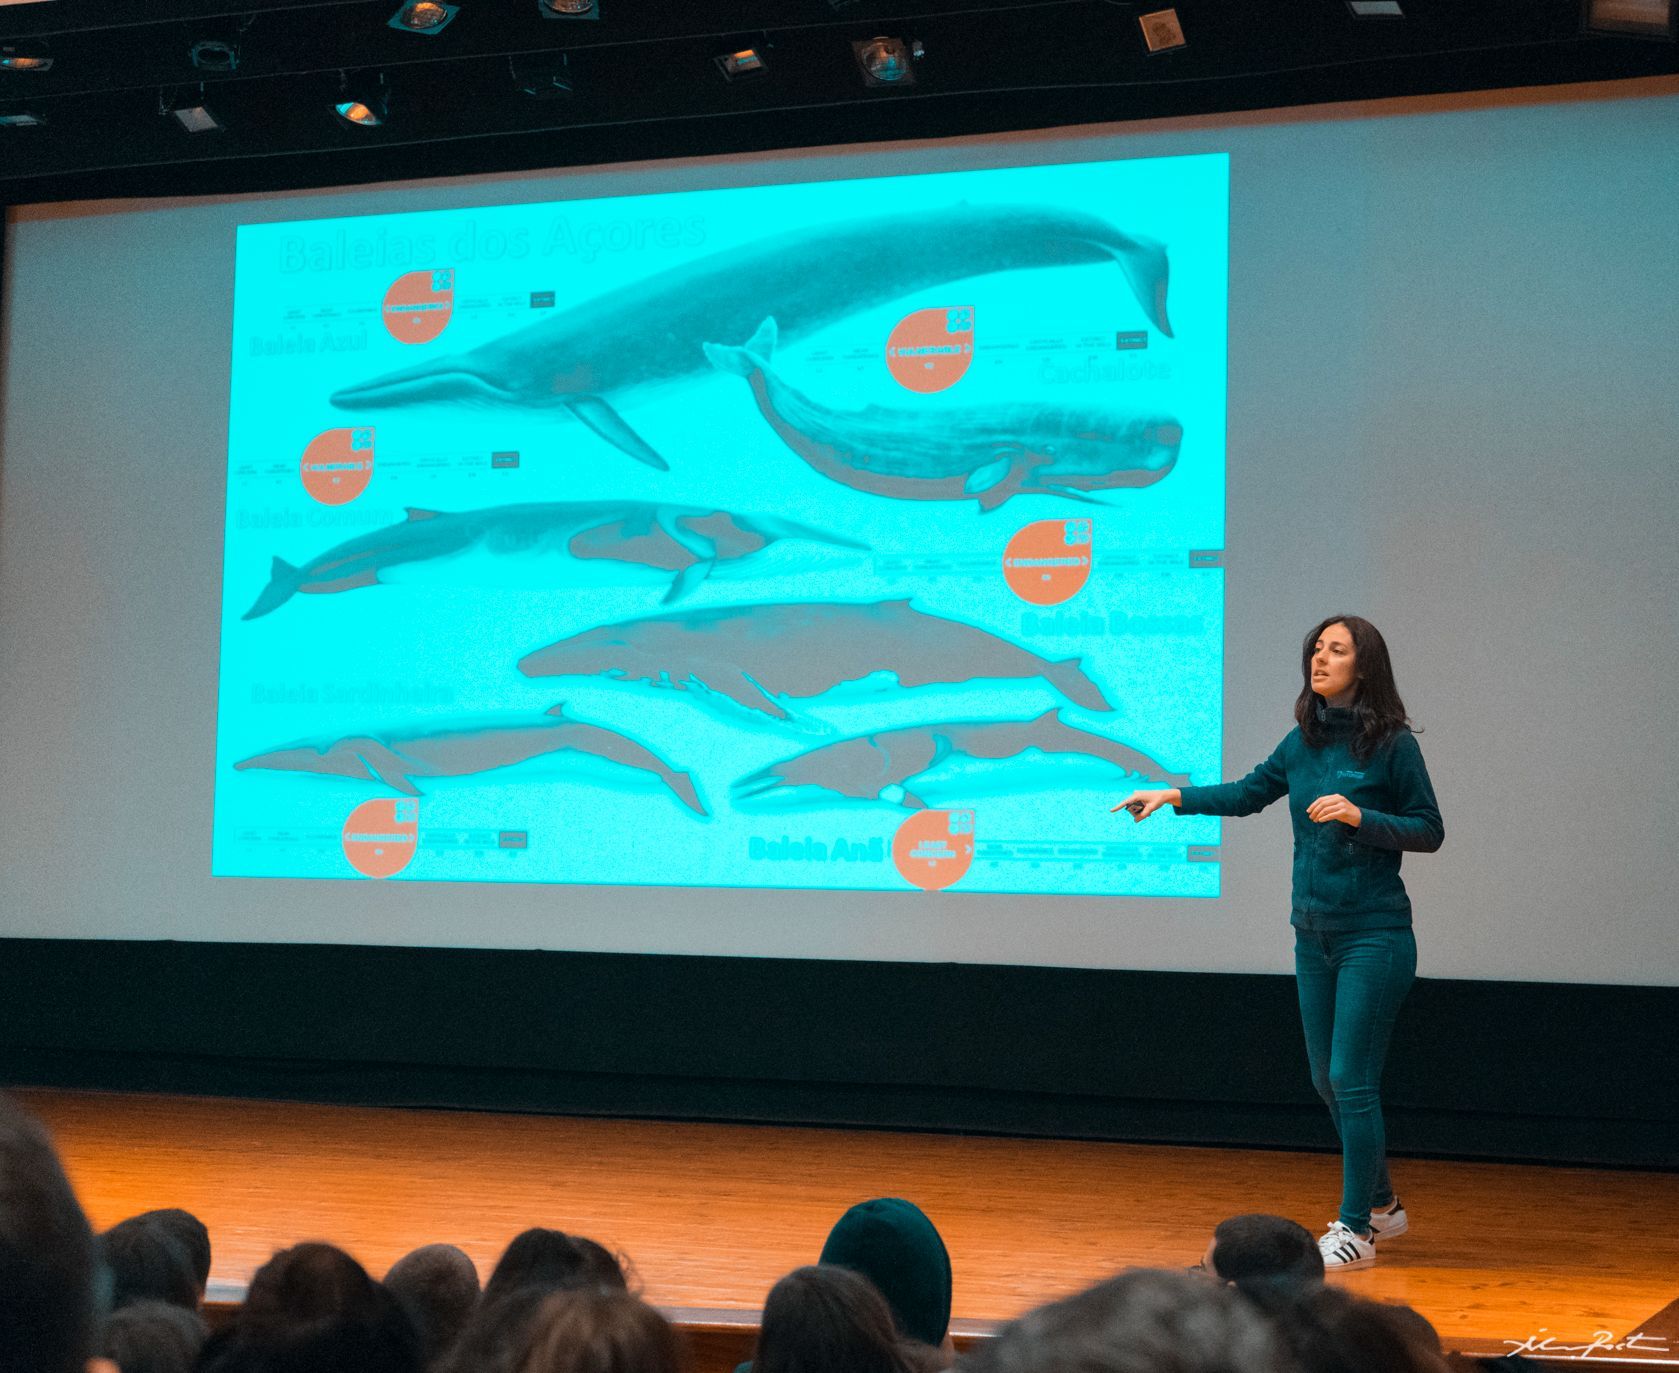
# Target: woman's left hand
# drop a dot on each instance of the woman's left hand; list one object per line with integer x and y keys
{"x": 1335, "y": 807}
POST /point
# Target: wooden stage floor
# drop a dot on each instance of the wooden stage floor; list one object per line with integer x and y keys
{"x": 712, "y": 1215}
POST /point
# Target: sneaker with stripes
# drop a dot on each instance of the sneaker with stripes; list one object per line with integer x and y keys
{"x": 1345, "y": 1249}
{"x": 1389, "y": 1221}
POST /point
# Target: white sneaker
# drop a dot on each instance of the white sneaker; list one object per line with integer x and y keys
{"x": 1344, "y": 1249}
{"x": 1390, "y": 1222}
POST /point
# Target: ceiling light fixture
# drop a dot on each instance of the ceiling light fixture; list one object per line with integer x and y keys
{"x": 190, "y": 110}
{"x": 25, "y": 55}
{"x": 1162, "y": 32}
{"x": 424, "y": 16}
{"x": 363, "y": 101}
{"x": 567, "y": 9}
{"x": 1637, "y": 18}
{"x": 214, "y": 55}
{"x": 887, "y": 61}
{"x": 746, "y": 62}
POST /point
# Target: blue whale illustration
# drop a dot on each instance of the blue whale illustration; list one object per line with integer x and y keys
{"x": 753, "y": 654}
{"x": 688, "y": 541}
{"x": 869, "y": 765}
{"x": 395, "y": 760}
{"x": 989, "y": 452}
{"x": 651, "y": 330}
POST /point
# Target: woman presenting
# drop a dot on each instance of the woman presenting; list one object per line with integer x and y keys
{"x": 1359, "y": 796}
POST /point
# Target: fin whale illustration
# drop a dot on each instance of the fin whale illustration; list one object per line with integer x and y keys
{"x": 989, "y": 453}
{"x": 755, "y": 654}
{"x": 687, "y": 541}
{"x": 865, "y": 766}
{"x": 651, "y": 330}
{"x": 396, "y": 760}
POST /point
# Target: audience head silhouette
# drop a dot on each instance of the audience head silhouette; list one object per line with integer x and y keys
{"x": 896, "y": 1247}
{"x": 440, "y": 1288}
{"x": 49, "y": 1291}
{"x": 153, "y": 1337}
{"x": 554, "y": 1261}
{"x": 1268, "y": 1258}
{"x": 1142, "y": 1321}
{"x": 826, "y": 1319}
{"x": 190, "y": 1233}
{"x": 147, "y": 1263}
{"x": 600, "y": 1330}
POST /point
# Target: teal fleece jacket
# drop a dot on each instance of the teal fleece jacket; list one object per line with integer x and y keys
{"x": 1344, "y": 878}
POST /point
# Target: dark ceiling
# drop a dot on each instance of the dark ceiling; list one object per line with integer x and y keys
{"x": 644, "y": 80}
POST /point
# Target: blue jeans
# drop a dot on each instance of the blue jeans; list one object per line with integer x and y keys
{"x": 1351, "y": 986}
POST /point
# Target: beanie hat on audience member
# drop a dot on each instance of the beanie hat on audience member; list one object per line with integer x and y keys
{"x": 892, "y": 1243}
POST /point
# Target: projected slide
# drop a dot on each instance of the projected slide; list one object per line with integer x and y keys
{"x": 851, "y": 535}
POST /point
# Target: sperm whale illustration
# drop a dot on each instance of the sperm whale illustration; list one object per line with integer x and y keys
{"x": 867, "y": 765}
{"x": 989, "y": 452}
{"x": 754, "y": 654}
{"x": 651, "y": 330}
{"x": 395, "y": 760}
{"x": 689, "y": 541}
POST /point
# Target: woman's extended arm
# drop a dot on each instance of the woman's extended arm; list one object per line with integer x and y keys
{"x": 1254, "y": 792}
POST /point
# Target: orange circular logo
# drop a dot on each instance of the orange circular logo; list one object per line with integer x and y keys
{"x": 934, "y": 848}
{"x": 930, "y": 350}
{"x": 337, "y": 465}
{"x": 418, "y": 305}
{"x": 381, "y": 836}
{"x": 1048, "y": 561}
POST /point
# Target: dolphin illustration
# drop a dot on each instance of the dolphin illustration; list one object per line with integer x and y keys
{"x": 651, "y": 330}
{"x": 396, "y": 760}
{"x": 752, "y": 654}
{"x": 867, "y": 765}
{"x": 684, "y": 539}
{"x": 989, "y": 453}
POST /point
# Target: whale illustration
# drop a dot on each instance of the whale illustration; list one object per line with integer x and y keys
{"x": 397, "y": 759}
{"x": 686, "y": 540}
{"x": 753, "y": 654}
{"x": 989, "y": 453}
{"x": 651, "y": 330}
{"x": 868, "y": 765}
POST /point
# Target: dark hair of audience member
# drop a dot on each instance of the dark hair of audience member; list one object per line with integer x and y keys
{"x": 153, "y": 1337}
{"x": 190, "y": 1233}
{"x": 313, "y": 1309}
{"x": 826, "y": 1319}
{"x": 496, "y": 1336}
{"x": 599, "y": 1330}
{"x": 894, "y": 1244}
{"x": 1331, "y": 1331}
{"x": 147, "y": 1263}
{"x": 440, "y": 1287}
{"x": 1269, "y": 1258}
{"x": 1142, "y": 1321}
{"x": 49, "y": 1292}
{"x": 553, "y": 1261}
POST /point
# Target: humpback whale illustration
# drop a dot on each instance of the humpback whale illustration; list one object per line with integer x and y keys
{"x": 686, "y": 540}
{"x": 752, "y": 654}
{"x": 651, "y": 330}
{"x": 988, "y": 453}
{"x": 396, "y": 760}
{"x": 865, "y": 766}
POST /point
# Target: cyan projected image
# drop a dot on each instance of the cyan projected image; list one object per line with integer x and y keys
{"x": 851, "y": 535}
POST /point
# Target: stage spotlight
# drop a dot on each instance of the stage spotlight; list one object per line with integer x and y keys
{"x": 746, "y": 62}
{"x": 194, "y": 115}
{"x": 25, "y": 55}
{"x": 567, "y": 9}
{"x": 1161, "y": 31}
{"x": 886, "y": 61}
{"x": 363, "y": 101}
{"x": 423, "y": 16}
{"x": 19, "y": 119}
{"x": 541, "y": 76}
{"x": 1639, "y": 18}
{"x": 215, "y": 55}
{"x": 1375, "y": 9}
